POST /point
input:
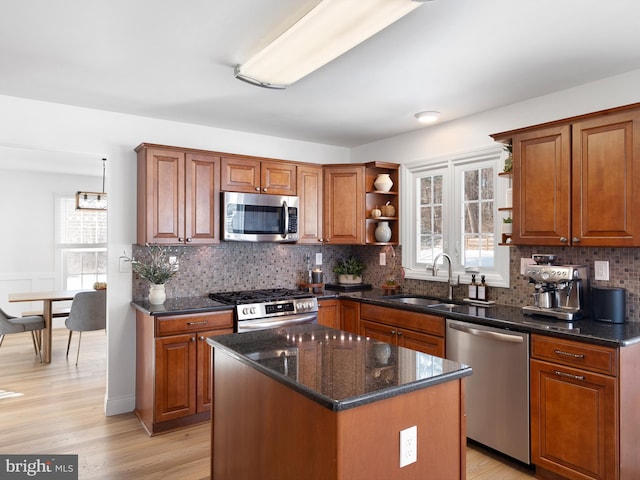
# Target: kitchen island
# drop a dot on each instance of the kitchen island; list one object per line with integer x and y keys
{"x": 316, "y": 403}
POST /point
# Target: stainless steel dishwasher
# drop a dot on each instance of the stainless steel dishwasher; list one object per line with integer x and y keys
{"x": 497, "y": 393}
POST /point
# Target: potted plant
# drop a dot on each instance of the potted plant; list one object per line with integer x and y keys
{"x": 157, "y": 266}
{"x": 507, "y": 226}
{"x": 349, "y": 270}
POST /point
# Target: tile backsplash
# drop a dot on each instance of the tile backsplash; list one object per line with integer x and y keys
{"x": 242, "y": 266}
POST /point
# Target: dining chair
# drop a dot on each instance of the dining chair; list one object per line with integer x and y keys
{"x": 33, "y": 323}
{"x": 88, "y": 312}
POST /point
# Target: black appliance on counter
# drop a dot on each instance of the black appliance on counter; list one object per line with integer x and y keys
{"x": 608, "y": 304}
{"x": 269, "y": 308}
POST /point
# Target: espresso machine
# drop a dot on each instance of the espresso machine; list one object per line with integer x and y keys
{"x": 560, "y": 291}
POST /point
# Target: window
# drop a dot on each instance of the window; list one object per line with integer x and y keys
{"x": 453, "y": 206}
{"x": 478, "y": 240}
{"x": 81, "y": 245}
{"x": 430, "y": 232}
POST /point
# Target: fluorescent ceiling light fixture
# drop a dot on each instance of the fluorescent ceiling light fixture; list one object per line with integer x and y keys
{"x": 330, "y": 29}
{"x": 428, "y": 117}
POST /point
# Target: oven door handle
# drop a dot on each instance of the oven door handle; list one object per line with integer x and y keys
{"x": 250, "y": 325}
{"x": 285, "y": 216}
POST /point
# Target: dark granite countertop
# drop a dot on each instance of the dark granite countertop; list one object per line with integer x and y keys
{"x": 180, "y": 306}
{"x": 361, "y": 377}
{"x": 503, "y": 316}
{"x": 508, "y": 317}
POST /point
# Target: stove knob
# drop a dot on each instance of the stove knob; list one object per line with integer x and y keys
{"x": 253, "y": 310}
{"x": 245, "y": 311}
{"x": 545, "y": 275}
{"x": 303, "y": 305}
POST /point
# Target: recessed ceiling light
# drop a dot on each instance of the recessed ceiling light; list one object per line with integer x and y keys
{"x": 427, "y": 117}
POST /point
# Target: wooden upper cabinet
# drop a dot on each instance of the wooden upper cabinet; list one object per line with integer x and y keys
{"x": 178, "y": 196}
{"x": 541, "y": 180}
{"x": 606, "y": 182}
{"x": 575, "y": 181}
{"x": 252, "y": 175}
{"x": 202, "y": 197}
{"x": 310, "y": 214}
{"x": 240, "y": 174}
{"x": 344, "y": 193}
{"x": 278, "y": 178}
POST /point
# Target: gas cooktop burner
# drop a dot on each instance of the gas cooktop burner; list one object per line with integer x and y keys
{"x": 257, "y": 296}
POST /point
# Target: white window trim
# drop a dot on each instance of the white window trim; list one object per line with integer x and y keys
{"x": 448, "y": 166}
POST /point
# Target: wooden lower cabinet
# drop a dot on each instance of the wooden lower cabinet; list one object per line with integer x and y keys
{"x": 584, "y": 420}
{"x": 328, "y": 314}
{"x": 418, "y": 331}
{"x": 173, "y": 368}
{"x": 349, "y": 316}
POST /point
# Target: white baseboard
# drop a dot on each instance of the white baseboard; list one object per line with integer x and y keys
{"x": 117, "y": 406}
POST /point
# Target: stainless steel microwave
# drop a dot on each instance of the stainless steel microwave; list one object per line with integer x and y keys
{"x": 253, "y": 217}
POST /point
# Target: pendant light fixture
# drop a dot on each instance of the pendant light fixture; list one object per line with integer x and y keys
{"x": 93, "y": 200}
{"x": 327, "y": 31}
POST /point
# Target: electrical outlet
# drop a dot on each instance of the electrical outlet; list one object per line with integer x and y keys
{"x": 173, "y": 261}
{"x": 318, "y": 258}
{"x": 601, "y": 268}
{"x": 383, "y": 259}
{"x": 408, "y": 446}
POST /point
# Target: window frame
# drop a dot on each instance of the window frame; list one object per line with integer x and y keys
{"x": 61, "y": 248}
{"x": 453, "y": 215}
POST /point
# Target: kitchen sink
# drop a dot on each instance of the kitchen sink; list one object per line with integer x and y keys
{"x": 423, "y": 301}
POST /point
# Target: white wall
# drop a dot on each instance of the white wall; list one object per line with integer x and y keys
{"x": 47, "y": 126}
{"x": 473, "y": 132}
{"x": 28, "y": 207}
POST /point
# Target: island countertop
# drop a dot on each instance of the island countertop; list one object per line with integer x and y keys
{"x": 338, "y": 370}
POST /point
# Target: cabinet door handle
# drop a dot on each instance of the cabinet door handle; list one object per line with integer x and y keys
{"x": 201, "y": 337}
{"x": 568, "y": 354}
{"x": 399, "y": 333}
{"x": 201, "y": 322}
{"x": 181, "y": 240}
{"x": 568, "y": 375}
{"x": 189, "y": 240}
{"x": 193, "y": 339}
{"x": 264, "y": 190}
{"x": 393, "y": 332}
{"x": 563, "y": 239}
{"x": 575, "y": 240}
{"x": 257, "y": 189}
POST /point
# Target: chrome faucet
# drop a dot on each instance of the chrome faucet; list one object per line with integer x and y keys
{"x": 434, "y": 270}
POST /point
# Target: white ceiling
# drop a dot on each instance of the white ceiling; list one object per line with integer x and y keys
{"x": 174, "y": 60}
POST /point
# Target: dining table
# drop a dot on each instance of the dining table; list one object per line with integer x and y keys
{"x": 47, "y": 299}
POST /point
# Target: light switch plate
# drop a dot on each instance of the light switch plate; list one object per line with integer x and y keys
{"x": 318, "y": 258}
{"x": 383, "y": 259}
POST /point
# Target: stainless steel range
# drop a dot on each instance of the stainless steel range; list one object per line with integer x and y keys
{"x": 269, "y": 308}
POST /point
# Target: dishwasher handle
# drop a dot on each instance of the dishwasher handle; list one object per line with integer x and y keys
{"x": 478, "y": 332}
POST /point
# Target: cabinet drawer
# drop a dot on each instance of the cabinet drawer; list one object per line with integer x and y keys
{"x": 596, "y": 358}
{"x": 421, "y": 322}
{"x": 195, "y": 322}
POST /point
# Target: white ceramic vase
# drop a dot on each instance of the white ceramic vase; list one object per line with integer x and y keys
{"x": 507, "y": 228}
{"x": 157, "y": 294}
{"x": 383, "y": 182}
{"x": 382, "y": 232}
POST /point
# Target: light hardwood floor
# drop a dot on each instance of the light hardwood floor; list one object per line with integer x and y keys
{"x": 58, "y": 408}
